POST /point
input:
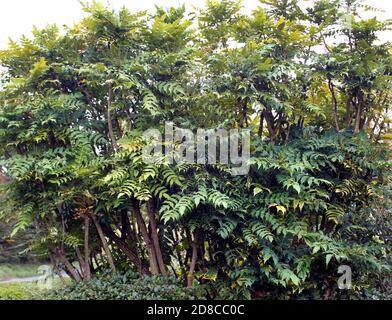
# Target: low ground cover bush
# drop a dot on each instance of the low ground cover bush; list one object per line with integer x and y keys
{"x": 128, "y": 286}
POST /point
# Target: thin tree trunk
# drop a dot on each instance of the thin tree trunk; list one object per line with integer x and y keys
{"x": 68, "y": 265}
{"x": 270, "y": 125}
{"x": 194, "y": 259}
{"x": 82, "y": 264}
{"x": 143, "y": 229}
{"x": 358, "y": 115}
{"x": 155, "y": 237}
{"x": 55, "y": 266}
{"x": 357, "y": 119}
{"x": 131, "y": 254}
{"x": 71, "y": 269}
{"x": 348, "y": 117}
{"x": 87, "y": 269}
{"x": 178, "y": 254}
{"x": 125, "y": 226}
{"x": 261, "y": 126}
{"x": 335, "y": 104}
{"x": 243, "y": 111}
{"x": 288, "y": 134}
{"x": 104, "y": 242}
{"x": 109, "y": 120}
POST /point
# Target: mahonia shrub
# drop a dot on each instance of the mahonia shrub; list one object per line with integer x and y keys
{"x": 75, "y": 105}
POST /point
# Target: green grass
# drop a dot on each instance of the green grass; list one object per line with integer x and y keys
{"x": 18, "y": 271}
{"x": 17, "y": 291}
{"x": 25, "y": 290}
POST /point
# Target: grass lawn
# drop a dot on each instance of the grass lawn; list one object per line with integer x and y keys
{"x": 25, "y": 290}
{"x": 18, "y": 271}
{"x": 17, "y": 291}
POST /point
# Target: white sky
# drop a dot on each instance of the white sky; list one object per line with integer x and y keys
{"x": 18, "y": 16}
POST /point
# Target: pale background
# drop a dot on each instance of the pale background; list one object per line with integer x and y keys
{"x": 18, "y": 16}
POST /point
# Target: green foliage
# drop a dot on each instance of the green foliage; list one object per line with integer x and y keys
{"x": 128, "y": 286}
{"x": 74, "y": 107}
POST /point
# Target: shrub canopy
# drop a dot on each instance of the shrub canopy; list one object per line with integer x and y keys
{"x": 314, "y": 91}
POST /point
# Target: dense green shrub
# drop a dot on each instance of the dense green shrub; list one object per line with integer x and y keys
{"x": 128, "y": 286}
{"x": 72, "y": 115}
